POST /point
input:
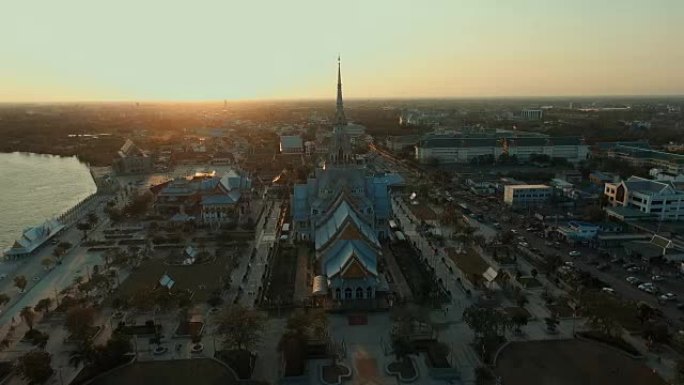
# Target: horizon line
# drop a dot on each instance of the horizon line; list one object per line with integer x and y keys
{"x": 266, "y": 100}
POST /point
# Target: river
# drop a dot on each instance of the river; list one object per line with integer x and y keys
{"x": 35, "y": 187}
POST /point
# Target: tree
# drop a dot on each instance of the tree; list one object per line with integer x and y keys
{"x": 487, "y": 323}
{"x": 679, "y": 372}
{"x": 20, "y": 282}
{"x": 240, "y": 327}
{"x": 551, "y": 323}
{"x": 142, "y": 300}
{"x": 113, "y": 352}
{"x": 65, "y": 245}
{"x": 43, "y": 305}
{"x": 534, "y": 273}
{"x": 92, "y": 219}
{"x": 311, "y": 324}
{"x": 83, "y": 354}
{"x": 519, "y": 320}
{"x": 4, "y": 299}
{"x": 28, "y": 316}
{"x": 521, "y": 298}
{"x": 47, "y": 262}
{"x": 139, "y": 204}
{"x": 594, "y": 214}
{"x": 79, "y": 321}
{"x": 34, "y": 367}
{"x": 601, "y": 310}
{"x": 84, "y": 227}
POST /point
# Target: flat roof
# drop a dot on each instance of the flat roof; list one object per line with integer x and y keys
{"x": 527, "y": 186}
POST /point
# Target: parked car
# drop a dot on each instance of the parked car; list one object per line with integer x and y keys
{"x": 628, "y": 265}
{"x": 657, "y": 278}
{"x": 608, "y": 290}
{"x": 523, "y": 244}
{"x": 648, "y": 287}
{"x": 633, "y": 280}
{"x": 574, "y": 253}
{"x": 634, "y": 269}
{"x": 668, "y": 297}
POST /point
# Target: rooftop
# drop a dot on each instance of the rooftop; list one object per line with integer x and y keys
{"x": 291, "y": 141}
{"x": 527, "y": 186}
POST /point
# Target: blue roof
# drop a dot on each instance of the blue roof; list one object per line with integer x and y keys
{"x": 392, "y": 179}
{"x": 581, "y": 224}
{"x": 230, "y": 198}
{"x": 327, "y": 229}
{"x": 208, "y": 184}
{"x": 342, "y": 252}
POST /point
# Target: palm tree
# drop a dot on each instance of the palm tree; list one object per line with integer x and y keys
{"x": 47, "y": 262}
{"x": 84, "y": 354}
{"x": 28, "y": 316}
{"x": 43, "y": 305}
{"x": 20, "y": 282}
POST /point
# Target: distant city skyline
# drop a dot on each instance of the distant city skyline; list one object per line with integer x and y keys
{"x": 209, "y": 50}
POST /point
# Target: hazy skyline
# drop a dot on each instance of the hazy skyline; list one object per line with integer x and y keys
{"x": 202, "y": 50}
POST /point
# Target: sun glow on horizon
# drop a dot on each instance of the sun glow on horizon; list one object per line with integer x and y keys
{"x": 209, "y": 50}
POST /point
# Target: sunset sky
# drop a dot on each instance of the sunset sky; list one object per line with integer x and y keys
{"x": 71, "y": 50}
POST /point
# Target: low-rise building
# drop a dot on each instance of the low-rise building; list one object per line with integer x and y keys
{"x": 214, "y": 200}
{"x": 398, "y": 143}
{"x": 132, "y": 160}
{"x": 532, "y": 114}
{"x": 579, "y": 231}
{"x": 527, "y": 194}
{"x": 657, "y": 199}
{"x": 33, "y": 238}
{"x": 668, "y": 161}
{"x": 600, "y": 178}
{"x": 666, "y": 176}
{"x": 464, "y": 149}
{"x": 291, "y": 144}
{"x": 572, "y": 176}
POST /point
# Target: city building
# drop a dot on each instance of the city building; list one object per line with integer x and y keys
{"x": 465, "y": 149}
{"x": 646, "y": 198}
{"x": 600, "y": 178}
{"x": 216, "y": 201}
{"x": 666, "y": 176}
{"x": 572, "y": 149}
{"x": 532, "y": 114}
{"x": 291, "y": 144}
{"x": 563, "y": 186}
{"x": 639, "y": 156}
{"x": 579, "y": 231}
{"x": 527, "y": 194}
{"x": 572, "y": 176}
{"x": 132, "y": 160}
{"x": 344, "y": 210}
{"x": 400, "y": 142}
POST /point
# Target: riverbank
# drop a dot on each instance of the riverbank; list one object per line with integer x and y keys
{"x": 39, "y": 187}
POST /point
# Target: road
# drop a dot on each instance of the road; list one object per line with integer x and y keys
{"x": 44, "y": 283}
{"x": 495, "y": 211}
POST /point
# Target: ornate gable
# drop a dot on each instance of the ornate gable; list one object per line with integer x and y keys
{"x": 351, "y": 232}
{"x": 354, "y": 269}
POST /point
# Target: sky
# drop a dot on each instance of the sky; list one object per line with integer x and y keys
{"x": 74, "y": 50}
